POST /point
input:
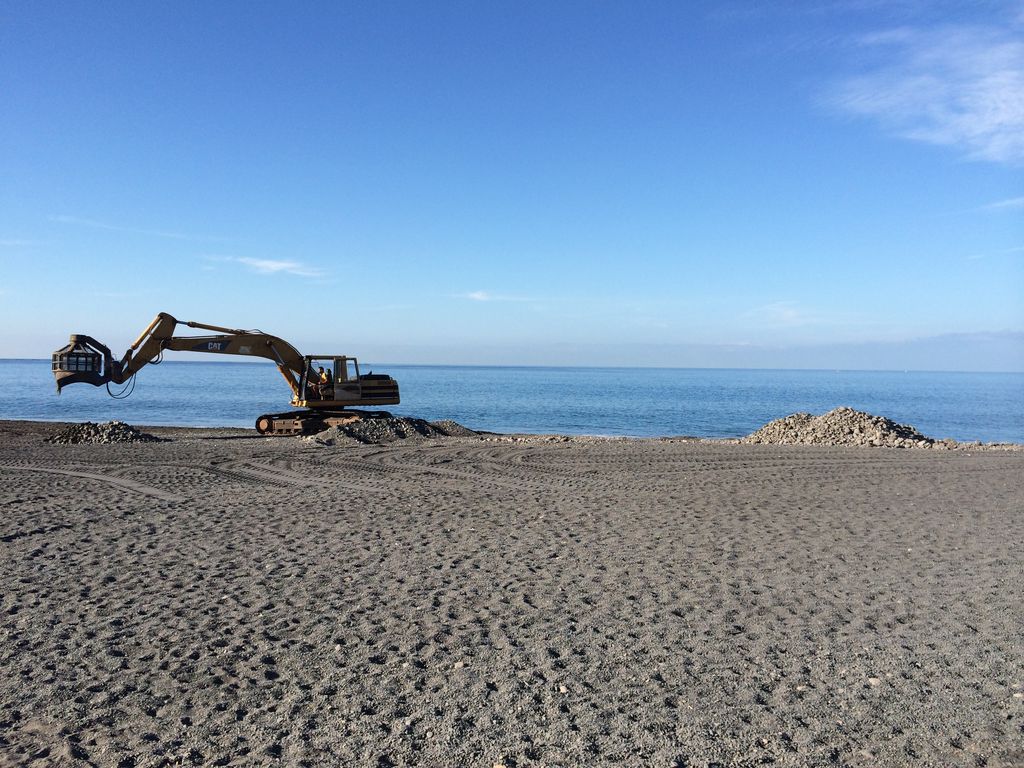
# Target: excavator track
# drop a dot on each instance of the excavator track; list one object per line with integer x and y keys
{"x": 311, "y": 421}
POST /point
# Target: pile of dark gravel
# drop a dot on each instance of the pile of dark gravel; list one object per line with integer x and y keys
{"x": 389, "y": 429}
{"x": 108, "y": 432}
{"x": 843, "y": 426}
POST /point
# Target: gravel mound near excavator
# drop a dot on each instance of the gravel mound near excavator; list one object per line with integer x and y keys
{"x": 843, "y": 426}
{"x": 386, "y": 430}
{"x": 105, "y": 433}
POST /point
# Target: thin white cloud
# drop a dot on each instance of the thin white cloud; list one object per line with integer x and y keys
{"x": 18, "y": 243}
{"x": 1012, "y": 203}
{"x": 778, "y": 314}
{"x": 958, "y": 86}
{"x": 273, "y": 266}
{"x": 1004, "y": 252}
{"x": 83, "y": 222}
{"x": 792, "y": 314}
{"x": 488, "y": 296}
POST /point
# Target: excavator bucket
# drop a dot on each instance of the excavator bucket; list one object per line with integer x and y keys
{"x": 83, "y": 359}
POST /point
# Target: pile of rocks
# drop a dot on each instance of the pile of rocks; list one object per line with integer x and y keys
{"x": 843, "y": 426}
{"x": 386, "y": 430}
{"x": 108, "y": 432}
{"x": 450, "y": 428}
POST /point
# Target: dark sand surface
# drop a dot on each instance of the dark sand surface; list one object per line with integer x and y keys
{"x": 225, "y": 599}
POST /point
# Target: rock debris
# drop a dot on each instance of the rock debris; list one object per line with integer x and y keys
{"x": 107, "y": 432}
{"x": 386, "y": 430}
{"x": 843, "y": 426}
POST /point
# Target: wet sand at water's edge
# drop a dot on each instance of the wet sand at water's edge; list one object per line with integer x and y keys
{"x": 225, "y": 599}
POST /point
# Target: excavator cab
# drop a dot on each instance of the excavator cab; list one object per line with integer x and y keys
{"x": 336, "y": 368}
{"x": 345, "y": 386}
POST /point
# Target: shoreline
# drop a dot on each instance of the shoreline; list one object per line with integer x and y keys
{"x": 198, "y": 432}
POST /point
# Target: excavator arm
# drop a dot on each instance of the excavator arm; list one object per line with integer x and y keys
{"x": 88, "y": 361}
{"x": 85, "y": 360}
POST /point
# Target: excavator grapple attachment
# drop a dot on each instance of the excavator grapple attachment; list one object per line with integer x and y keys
{"x": 83, "y": 360}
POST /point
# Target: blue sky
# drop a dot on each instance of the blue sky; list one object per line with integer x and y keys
{"x": 813, "y": 183}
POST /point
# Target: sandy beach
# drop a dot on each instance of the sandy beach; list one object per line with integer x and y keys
{"x": 225, "y": 599}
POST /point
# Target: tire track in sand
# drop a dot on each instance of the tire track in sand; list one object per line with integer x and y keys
{"x": 248, "y": 471}
{"x": 118, "y": 482}
{"x": 383, "y": 464}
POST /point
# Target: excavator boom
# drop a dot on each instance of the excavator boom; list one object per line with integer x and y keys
{"x": 85, "y": 360}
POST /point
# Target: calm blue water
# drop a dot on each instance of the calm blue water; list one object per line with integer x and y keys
{"x": 604, "y": 401}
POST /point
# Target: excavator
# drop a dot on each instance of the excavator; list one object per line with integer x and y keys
{"x": 325, "y": 403}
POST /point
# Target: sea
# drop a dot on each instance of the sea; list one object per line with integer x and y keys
{"x": 637, "y": 402}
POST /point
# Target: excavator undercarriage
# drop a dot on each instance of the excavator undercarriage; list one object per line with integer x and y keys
{"x": 311, "y": 421}
{"x": 323, "y": 386}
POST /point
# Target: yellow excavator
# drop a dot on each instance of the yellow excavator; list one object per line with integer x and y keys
{"x": 324, "y": 398}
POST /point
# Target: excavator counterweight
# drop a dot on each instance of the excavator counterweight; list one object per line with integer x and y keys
{"x": 325, "y": 394}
